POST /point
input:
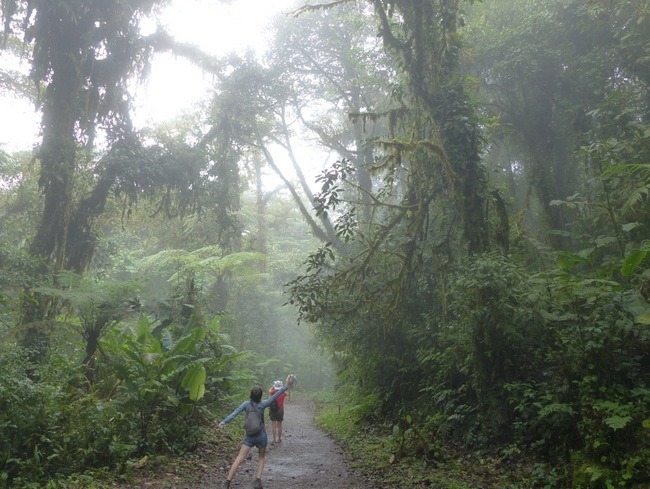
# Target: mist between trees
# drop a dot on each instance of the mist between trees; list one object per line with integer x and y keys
{"x": 471, "y": 271}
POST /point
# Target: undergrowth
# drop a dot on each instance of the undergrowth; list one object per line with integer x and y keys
{"x": 376, "y": 449}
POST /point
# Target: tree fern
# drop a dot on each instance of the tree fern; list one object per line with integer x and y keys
{"x": 640, "y": 194}
{"x": 638, "y": 197}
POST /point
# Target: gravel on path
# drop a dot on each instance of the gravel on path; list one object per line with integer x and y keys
{"x": 306, "y": 458}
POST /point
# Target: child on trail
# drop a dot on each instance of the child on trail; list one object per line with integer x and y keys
{"x": 276, "y": 411}
{"x": 258, "y": 440}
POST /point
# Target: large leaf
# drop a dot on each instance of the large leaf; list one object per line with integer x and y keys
{"x": 643, "y": 318}
{"x": 194, "y": 380}
{"x": 632, "y": 261}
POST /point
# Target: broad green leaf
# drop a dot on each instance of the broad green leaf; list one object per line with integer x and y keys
{"x": 143, "y": 330}
{"x": 194, "y": 380}
{"x": 643, "y": 318}
{"x": 605, "y": 241}
{"x": 586, "y": 253}
{"x": 567, "y": 260}
{"x": 155, "y": 347}
{"x": 632, "y": 261}
{"x": 184, "y": 345}
{"x": 630, "y": 226}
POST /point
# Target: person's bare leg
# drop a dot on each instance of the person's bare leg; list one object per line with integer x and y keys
{"x": 260, "y": 462}
{"x": 279, "y": 432}
{"x": 243, "y": 452}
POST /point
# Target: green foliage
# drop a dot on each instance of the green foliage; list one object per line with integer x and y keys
{"x": 161, "y": 374}
{"x": 492, "y": 335}
{"x": 152, "y": 391}
{"x": 546, "y": 366}
{"x": 50, "y": 429}
{"x": 391, "y": 454}
{"x": 590, "y": 402}
{"x": 552, "y": 364}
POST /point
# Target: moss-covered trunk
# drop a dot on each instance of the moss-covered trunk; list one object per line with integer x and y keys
{"x": 59, "y": 147}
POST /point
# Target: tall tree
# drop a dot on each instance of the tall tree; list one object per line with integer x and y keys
{"x": 84, "y": 54}
{"x": 333, "y": 60}
{"x": 250, "y": 112}
{"x": 428, "y": 209}
{"x": 545, "y": 67}
{"x": 424, "y": 36}
{"x": 434, "y": 147}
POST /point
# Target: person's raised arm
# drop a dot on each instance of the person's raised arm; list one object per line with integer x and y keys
{"x": 230, "y": 417}
{"x": 267, "y": 402}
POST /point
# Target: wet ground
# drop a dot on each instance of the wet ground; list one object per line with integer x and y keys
{"x": 306, "y": 458}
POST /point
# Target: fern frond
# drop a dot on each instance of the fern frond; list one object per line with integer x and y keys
{"x": 556, "y": 408}
{"x": 639, "y": 196}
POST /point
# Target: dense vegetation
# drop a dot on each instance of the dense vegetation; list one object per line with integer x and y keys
{"x": 473, "y": 266}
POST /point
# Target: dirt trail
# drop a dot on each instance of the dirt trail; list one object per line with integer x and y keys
{"x": 305, "y": 458}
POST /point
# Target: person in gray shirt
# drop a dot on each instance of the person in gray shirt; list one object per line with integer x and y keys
{"x": 259, "y": 440}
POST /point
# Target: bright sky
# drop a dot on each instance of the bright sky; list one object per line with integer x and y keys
{"x": 218, "y": 27}
{"x": 19, "y": 121}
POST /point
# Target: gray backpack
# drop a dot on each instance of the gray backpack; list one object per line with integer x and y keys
{"x": 253, "y": 422}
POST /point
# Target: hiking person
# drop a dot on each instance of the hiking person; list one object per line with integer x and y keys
{"x": 255, "y": 435}
{"x": 276, "y": 412}
{"x": 294, "y": 381}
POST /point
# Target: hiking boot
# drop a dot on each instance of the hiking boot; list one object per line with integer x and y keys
{"x": 226, "y": 484}
{"x": 257, "y": 484}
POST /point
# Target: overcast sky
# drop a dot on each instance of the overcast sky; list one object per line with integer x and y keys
{"x": 218, "y": 28}
{"x": 174, "y": 85}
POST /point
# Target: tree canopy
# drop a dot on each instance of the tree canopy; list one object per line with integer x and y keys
{"x": 471, "y": 264}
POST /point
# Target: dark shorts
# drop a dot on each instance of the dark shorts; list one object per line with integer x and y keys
{"x": 259, "y": 441}
{"x": 277, "y": 415}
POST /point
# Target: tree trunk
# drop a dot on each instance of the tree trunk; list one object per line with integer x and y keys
{"x": 59, "y": 148}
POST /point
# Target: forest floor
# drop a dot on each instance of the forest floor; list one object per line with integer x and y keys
{"x": 306, "y": 458}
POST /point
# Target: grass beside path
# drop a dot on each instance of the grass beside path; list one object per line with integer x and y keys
{"x": 397, "y": 457}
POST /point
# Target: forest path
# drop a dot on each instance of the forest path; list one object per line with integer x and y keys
{"x": 306, "y": 458}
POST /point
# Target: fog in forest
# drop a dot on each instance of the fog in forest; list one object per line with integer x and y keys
{"x": 434, "y": 213}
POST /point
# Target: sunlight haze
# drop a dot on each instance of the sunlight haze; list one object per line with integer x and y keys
{"x": 218, "y": 28}
{"x": 174, "y": 84}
